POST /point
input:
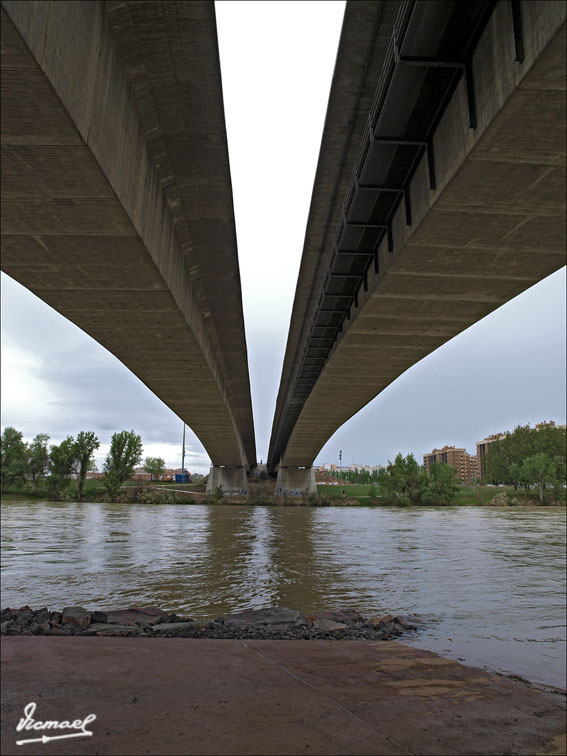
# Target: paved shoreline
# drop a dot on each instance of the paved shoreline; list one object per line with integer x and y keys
{"x": 202, "y": 696}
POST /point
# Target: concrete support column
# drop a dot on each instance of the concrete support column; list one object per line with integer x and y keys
{"x": 296, "y": 481}
{"x": 233, "y": 480}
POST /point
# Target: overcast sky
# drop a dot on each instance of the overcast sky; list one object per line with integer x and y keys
{"x": 505, "y": 370}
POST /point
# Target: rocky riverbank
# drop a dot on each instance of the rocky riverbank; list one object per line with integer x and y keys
{"x": 277, "y": 623}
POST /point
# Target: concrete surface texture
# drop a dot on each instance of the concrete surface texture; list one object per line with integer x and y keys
{"x": 232, "y": 479}
{"x": 117, "y": 203}
{"x": 179, "y": 696}
{"x": 493, "y": 226}
{"x": 296, "y": 481}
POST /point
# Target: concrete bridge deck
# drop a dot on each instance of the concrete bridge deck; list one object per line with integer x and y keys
{"x": 116, "y": 197}
{"x": 448, "y": 200}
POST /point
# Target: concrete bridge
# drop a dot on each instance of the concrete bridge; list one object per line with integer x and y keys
{"x": 117, "y": 202}
{"x": 439, "y": 195}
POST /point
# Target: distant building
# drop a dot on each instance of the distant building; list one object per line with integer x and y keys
{"x": 356, "y": 467}
{"x": 140, "y": 474}
{"x": 460, "y": 460}
{"x": 549, "y": 424}
{"x": 482, "y": 451}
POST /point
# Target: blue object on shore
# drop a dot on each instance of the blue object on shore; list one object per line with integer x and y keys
{"x": 182, "y": 478}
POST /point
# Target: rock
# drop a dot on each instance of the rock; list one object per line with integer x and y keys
{"x": 149, "y": 615}
{"x": 6, "y": 626}
{"x": 100, "y": 616}
{"x": 107, "y": 628}
{"x": 55, "y": 631}
{"x": 328, "y": 625}
{"x": 169, "y": 618}
{"x": 55, "y": 618}
{"x": 348, "y": 616}
{"x": 42, "y": 615}
{"x": 280, "y": 616}
{"x": 25, "y": 612}
{"x": 404, "y": 623}
{"x": 76, "y": 616}
{"x": 174, "y": 627}
{"x": 387, "y": 620}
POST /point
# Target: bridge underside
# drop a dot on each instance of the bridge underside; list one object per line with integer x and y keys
{"x": 478, "y": 218}
{"x": 117, "y": 205}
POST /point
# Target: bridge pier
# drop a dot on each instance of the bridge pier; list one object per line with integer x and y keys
{"x": 296, "y": 481}
{"x": 232, "y": 478}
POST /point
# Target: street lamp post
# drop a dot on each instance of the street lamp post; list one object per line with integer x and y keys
{"x": 183, "y": 453}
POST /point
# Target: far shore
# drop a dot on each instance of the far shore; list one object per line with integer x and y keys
{"x": 168, "y": 496}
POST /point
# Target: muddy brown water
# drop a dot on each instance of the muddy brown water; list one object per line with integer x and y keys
{"x": 488, "y": 584}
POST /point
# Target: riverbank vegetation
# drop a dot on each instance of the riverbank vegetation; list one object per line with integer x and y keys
{"x": 528, "y": 457}
{"x": 526, "y": 467}
{"x": 60, "y": 470}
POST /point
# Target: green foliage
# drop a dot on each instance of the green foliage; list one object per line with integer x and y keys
{"x": 505, "y": 457}
{"x": 153, "y": 495}
{"x": 61, "y": 465}
{"x": 125, "y": 453}
{"x": 38, "y": 458}
{"x": 400, "y": 480}
{"x": 372, "y": 493}
{"x": 13, "y": 458}
{"x": 539, "y": 469}
{"x": 85, "y": 446}
{"x": 515, "y": 474}
{"x": 219, "y": 494}
{"x": 440, "y": 486}
{"x": 356, "y": 476}
{"x": 154, "y": 466}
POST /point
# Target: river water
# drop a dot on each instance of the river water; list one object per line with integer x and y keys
{"x": 488, "y": 584}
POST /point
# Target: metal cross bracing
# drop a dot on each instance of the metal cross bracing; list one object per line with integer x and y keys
{"x": 430, "y": 51}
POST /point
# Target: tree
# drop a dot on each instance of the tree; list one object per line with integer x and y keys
{"x": 515, "y": 474}
{"x": 515, "y": 447}
{"x": 13, "y": 456}
{"x": 85, "y": 446}
{"x": 125, "y": 453}
{"x": 400, "y": 480}
{"x": 540, "y": 470}
{"x": 61, "y": 464}
{"x": 38, "y": 457}
{"x": 154, "y": 466}
{"x": 441, "y": 485}
{"x": 560, "y": 473}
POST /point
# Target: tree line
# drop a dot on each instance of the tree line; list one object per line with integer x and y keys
{"x": 404, "y": 481}
{"x": 21, "y": 462}
{"x": 356, "y": 476}
{"x": 529, "y": 457}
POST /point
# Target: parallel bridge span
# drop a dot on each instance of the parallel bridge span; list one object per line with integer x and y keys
{"x": 439, "y": 196}
{"x": 117, "y": 203}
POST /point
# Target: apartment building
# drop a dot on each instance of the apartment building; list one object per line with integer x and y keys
{"x": 482, "y": 451}
{"x": 459, "y": 459}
